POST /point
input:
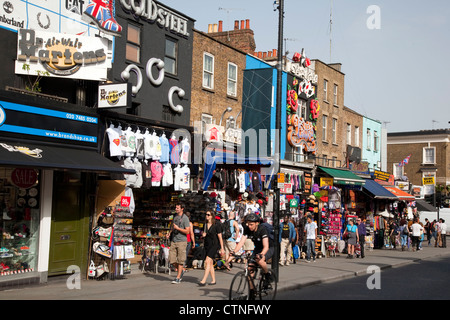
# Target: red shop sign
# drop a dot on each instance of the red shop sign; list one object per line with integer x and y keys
{"x": 24, "y": 178}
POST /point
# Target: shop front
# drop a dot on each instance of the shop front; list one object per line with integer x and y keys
{"x": 48, "y": 163}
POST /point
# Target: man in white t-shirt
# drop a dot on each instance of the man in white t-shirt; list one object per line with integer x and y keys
{"x": 443, "y": 232}
{"x": 311, "y": 234}
{"x": 416, "y": 233}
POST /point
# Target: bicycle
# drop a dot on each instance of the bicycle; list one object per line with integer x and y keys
{"x": 244, "y": 287}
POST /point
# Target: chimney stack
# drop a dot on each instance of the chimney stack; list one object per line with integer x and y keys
{"x": 247, "y": 24}
{"x": 209, "y": 28}
{"x": 215, "y": 27}
{"x": 236, "y": 24}
{"x": 242, "y": 24}
{"x": 220, "y": 25}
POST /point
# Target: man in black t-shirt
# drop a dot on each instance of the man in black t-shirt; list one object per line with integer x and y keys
{"x": 258, "y": 234}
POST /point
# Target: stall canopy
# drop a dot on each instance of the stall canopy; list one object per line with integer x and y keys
{"x": 345, "y": 177}
{"x": 23, "y": 154}
{"x": 377, "y": 191}
{"x": 422, "y": 205}
{"x": 400, "y": 194}
{"x": 213, "y": 157}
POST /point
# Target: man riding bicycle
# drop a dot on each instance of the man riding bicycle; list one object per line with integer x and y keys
{"x": 254, "y": 231}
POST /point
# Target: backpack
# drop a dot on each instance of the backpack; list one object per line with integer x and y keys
{"x": 269, "y": 229}
{"x": 226, "y": 229}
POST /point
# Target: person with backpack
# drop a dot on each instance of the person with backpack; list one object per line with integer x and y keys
{"x": 286, "y": 237}
{"x": 404, "y": 233}
{"x": 230, "y": 234}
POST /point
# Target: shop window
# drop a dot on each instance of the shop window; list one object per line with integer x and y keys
{"x": 133, "y": 46}
{"x": 232, "y": 80}
{"x": 208, "y": 71}
{"x": 170, "y": 58}
{"x": 19, "y": 220}
{"x": 429, "y": 155}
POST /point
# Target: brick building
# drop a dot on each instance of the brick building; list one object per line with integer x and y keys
{"x": 332, "y": 120}
{"x": 217, "y": 74}
{"x": 429, "y": 157}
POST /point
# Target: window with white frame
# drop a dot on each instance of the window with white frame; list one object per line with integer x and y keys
{"x": 232, "y": 79}
{"x": 302, "y": 109}
{"x": 369, "y": 140}
{"x": 356, "y": 136}
{"x": 208, "y": 71}
{"x": 325, "y": 88}
{"x": 206, "y": 119}
{"x": 334, "y": 131}
{"x": 375, "y": 141}
{"x": 324, "y": 127}
{"x": 429, "y": 155}
{"x": 335, "y": 94}
{"x": 429, "y": 189}
{"x": 398, "y": 171}
{"x": 349, "y": 134}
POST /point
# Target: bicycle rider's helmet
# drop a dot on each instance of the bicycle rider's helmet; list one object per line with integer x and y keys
{"x": 251, "y": 217}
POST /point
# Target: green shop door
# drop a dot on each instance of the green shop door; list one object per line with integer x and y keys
{"x": 69, "y": 238}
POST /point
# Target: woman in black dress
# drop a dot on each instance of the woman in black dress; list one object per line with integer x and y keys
{"x": 212, "y": 242}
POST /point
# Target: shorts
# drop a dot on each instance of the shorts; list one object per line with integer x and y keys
{"x": 177, "y": 252}
{"x": 229, "y": 247}
{"x": 249, "y": 245}
{"x": 268, "y": 255}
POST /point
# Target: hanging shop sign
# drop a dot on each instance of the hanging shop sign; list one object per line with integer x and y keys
{"x": 62, "y": 55}
{"x": 114, "y": 95}
{"x": 154, "y": 12}
{"x": 326, "y": 182}
{"x": 428, "y": 181}
{"x": 301, "y": 67}
{"x": 213, "y": 133}
{"x": 383, "y": 176}
{"x": 49, "y": 124}
{"x": 233, "y": 135}
{"x": 301, "y": 134}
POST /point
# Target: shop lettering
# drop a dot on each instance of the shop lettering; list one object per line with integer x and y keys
{"x": 125, "y": 75}
{"x": 301, "y": 134}
{"x": 75, "y": 5}
{"x": 152, "y": 12}
{"x": 64, "y": 49}
{"x": 24, "y": 178}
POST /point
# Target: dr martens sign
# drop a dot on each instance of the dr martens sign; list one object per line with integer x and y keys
{"x": 63, "y": 55}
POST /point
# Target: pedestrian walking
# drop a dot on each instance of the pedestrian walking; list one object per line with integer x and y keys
{"x": 351, "y": 231}
{"x": 433, "y": 231}
{"x": 295, "y": 242}
{"x": 393, "y": 232}
{"x": 404, "y": 234}
{"x": 362, "y": 234}
{"x": 443, "y": 232}
{"x": 427, "y": 228}
{"x": 213, "y": 242}
{"x": 311, "y": 235}
{"x": 190, "y": 238}
{"x": 286, "y": 237}
{"x": 230, "y": 243}
{"x": 438, "y": 233}
{"x": 178, "y": 244}
{"x": 416, "y": 232}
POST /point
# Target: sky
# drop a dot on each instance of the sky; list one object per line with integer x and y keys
{"x": 394, "y": 58}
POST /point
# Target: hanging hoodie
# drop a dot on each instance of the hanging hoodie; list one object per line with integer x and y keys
{"x": 164, "y": 149}
{"x": 157, "y": 173}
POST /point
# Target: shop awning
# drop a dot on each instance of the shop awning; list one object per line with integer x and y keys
{"x": 422, "y": 205}
{"x": 24, "y": 154}
{"x": 377, "y": 191}
{"x": 400, "y": 194}
{"x": 345, "y": 177}
{"x": 214, "y": 156}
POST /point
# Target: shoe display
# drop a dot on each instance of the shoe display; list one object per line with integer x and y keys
{"x": 101, "y": 14}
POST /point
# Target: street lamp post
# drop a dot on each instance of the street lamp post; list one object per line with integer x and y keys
{"x": 276, "y": 216}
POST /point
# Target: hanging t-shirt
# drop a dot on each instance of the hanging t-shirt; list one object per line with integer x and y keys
{"x": 164, "y": 142}
{"x": 146, "y": 174}
{"x": 131, "y": 141}
{"x": 157, "y": 173}
{"x": 167, "y": 179}
{"x": 130, "y": 179}
{"x": 114, "y": 141}
{"x": 139, "y": 145}
{"x": 149, "y": 149}
{"x": 185, "y": 148}
{"x": 138, "y": 169}
{"x": 182, "y": 178}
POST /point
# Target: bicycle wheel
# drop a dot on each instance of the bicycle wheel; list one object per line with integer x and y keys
{"x": 268, "y": 286}
{"x": 239, "y": 288}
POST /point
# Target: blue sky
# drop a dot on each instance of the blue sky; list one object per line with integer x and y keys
{"x": 397, "y": 74}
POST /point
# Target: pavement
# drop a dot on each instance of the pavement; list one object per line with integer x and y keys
{"x": 151, "y": 286}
